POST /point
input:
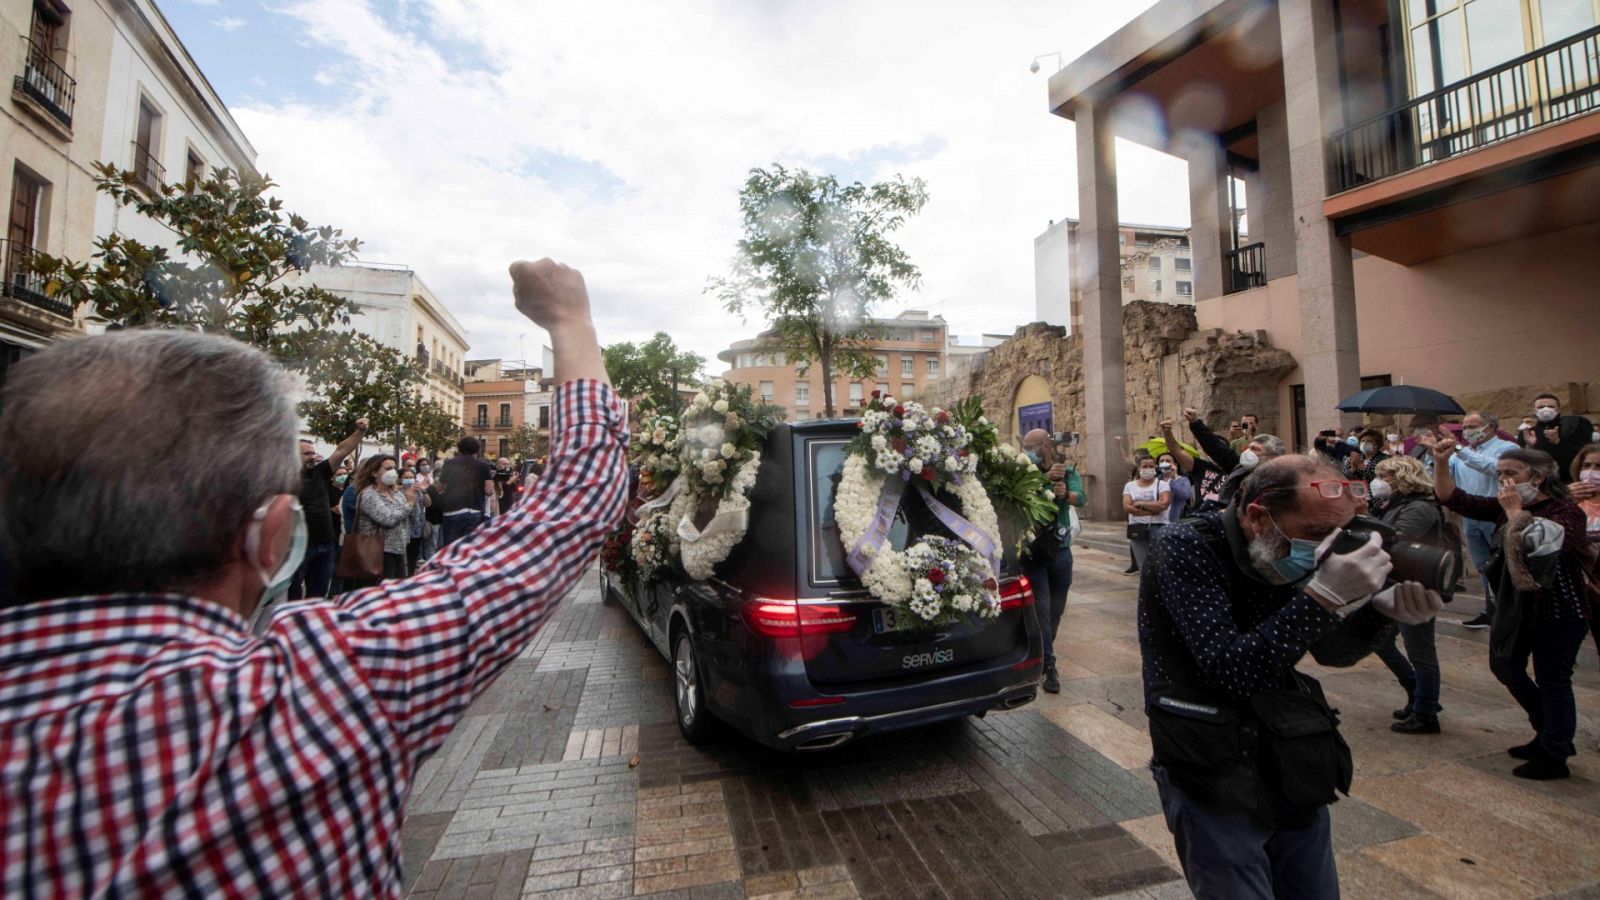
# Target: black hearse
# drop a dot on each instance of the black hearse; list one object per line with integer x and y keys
{"x": 783, "y": 644}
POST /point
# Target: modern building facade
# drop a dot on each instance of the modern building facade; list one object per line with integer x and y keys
{"x": 1155, "y": 266}
{"x": 1424, "y": 177}
{"x": 911, "y": 351}
{"x": 395, "y": 307}
{"x": 501, "y": 397}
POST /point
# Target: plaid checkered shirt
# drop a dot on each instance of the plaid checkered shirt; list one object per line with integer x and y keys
{"x": 151, "y": 746}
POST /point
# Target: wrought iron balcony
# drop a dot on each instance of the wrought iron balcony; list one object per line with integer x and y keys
{"x": 146, "y": 169}
{"x": 1246, "y": 268}
{"x": 1550, "y": 84}
{"x": 503, "y": 422}
{"x": 46, "y": 83}
{"x": 23, "y": 283}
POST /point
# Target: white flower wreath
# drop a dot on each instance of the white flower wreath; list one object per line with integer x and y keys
{"x": 896, "y": 577}
{"x": 702, "y": 549}
{"x": 719, "y": 437}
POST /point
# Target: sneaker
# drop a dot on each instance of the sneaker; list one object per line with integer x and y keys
{"x": 1052, "y": 681}
{"x": 1477, "y": 622}
{"x": 1417, "y": 724}
{"x": 1525, "y": 751}
{"x": 1543, "y": 768}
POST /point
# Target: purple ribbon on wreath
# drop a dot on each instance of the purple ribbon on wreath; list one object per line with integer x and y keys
{"x": 866, "y": 550}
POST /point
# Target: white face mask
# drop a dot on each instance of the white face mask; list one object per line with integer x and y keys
{"x": 1394, "y": 438}
{"x": 1592, "y": 476}
{"x": 1249, "y": 459}
{"x": 1368, "y": 448}
{"x": 1146, "y": 474}
{"x": 1546, "y": 413}
{"x": 1527, "y": 492}
{"x": 390, "y": 478}
{"x": 275, "y": 584}
{"x": 1380, "y": 489}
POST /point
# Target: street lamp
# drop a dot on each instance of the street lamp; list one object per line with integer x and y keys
{"x": 1034, "y": 66}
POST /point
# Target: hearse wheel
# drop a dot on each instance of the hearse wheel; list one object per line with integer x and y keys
{"x": 687, "y": 692}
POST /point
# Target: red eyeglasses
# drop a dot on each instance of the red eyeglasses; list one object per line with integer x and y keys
{"x": 1333, "y": 490}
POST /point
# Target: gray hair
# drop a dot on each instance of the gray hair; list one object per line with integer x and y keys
{"x": 1271, "y": 444}
{"x": 81, "y": 509}
{"x": 1489, "y": 419}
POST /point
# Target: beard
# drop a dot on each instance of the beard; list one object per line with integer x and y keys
{"x": 1264, "y": 551}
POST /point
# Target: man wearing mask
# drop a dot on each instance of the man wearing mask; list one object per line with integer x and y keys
{"x": 1048, "y": 561}
{"x": 1259, "y": 449}
{"x": 315, "y": 574}
{"x": 1560, "y": 436}
{"x": 1231, "y": 602}
{"x": 154, "y": 746}
{"x": 1475, "y": 468}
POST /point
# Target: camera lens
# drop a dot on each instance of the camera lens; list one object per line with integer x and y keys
{"x": 1435, "y": 568}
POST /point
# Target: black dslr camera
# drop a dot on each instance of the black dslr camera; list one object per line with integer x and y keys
{"x": 1435, "y": 568}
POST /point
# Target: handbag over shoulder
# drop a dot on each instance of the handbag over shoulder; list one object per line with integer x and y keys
{"x": 361, "y": 555}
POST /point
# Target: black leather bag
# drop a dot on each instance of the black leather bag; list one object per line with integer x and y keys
{"x": 1304, "y": 759}
{"x": 1138, "y": 531}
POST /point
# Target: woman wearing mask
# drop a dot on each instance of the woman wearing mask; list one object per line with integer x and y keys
{"x": 1402, "y": 497}
{"x": 1145, "y": 499}
{"x": 1373, "y": 450}
{"x": 1177, "y": 483}
{"x": 1540, "y": 609}
{"x": 383, "y": 507}
{"x": 1585, "y": 488}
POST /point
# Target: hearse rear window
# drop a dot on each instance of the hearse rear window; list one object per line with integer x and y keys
{"x": 827, "y": 550}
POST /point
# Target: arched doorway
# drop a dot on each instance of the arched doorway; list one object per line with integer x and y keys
{"x": 1032, "y": 407}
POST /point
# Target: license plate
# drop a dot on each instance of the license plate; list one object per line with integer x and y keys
{"x": 889, "y": 620}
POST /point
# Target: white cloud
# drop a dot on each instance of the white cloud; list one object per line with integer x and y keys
{"x": 229, "y": 23}
{"x": 446, "y": 153}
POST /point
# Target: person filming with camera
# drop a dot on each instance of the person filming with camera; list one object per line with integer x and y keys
{"x": 1247, "y": 754}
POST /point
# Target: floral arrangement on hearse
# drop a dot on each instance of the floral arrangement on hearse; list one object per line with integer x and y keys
{"x": 905, "y": 446}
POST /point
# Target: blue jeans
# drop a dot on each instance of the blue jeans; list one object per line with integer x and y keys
{"x": 1225, "y": 856}
{"x": 459, "y": 526}
{"x": 1547, "y": 696}
{"x": 1051, "y": 579}
{"x": 1417, "y": 669}
{"x": 315, "y": 573}
{"x": 1480, "y": 543}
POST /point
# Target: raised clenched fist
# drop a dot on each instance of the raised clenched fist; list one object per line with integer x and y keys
{"x": 549, "y": 293}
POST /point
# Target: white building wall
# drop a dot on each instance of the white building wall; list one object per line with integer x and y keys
{"x": 1052, "y": 284}
{"x": 193, "y": 116}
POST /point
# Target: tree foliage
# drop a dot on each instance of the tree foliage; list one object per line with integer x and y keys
{"x": 815, "y": 259}
{"x": 528, "y": 442}
{"x": 646, "y": 370}
{"x": 430, "y": 426}
{"x": 361, "y": 377}
{"x": 233, "y": 274}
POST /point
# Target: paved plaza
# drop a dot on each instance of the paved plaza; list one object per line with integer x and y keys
{"x": 568, "y": 778}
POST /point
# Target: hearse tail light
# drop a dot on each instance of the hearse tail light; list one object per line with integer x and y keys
{"x": 1016, "y": 594}
{"x": 808, "y": 702}
{"x": 786, "y": 618}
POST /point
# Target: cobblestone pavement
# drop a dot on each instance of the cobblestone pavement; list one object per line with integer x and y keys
{"x": 568, "y": 778}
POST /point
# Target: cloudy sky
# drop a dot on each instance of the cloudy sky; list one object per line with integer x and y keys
{"x": 456, "y": 135}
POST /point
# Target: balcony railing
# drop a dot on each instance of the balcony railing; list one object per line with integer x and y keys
{"x": 44, "y": 81}
{"x": 23, "y": 283}
{"x": 1246, "y": 268}
{"x": 482, "y": 422}
{"x": 145, "y": 168}
{"x": 503, "y": 422}
{"x": 1548, "y": 85}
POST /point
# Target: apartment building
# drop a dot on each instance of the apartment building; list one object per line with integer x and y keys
{"x": 501, "y": 397}
{"x": 911, "y": 352}
{"x": 1154, "y": 262}
{"x": 1419, "y": 185}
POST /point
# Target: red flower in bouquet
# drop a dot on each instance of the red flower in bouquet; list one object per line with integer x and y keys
{"x": 927, "y": 473}
{"x": 943, "y": 418}
{"x": 936, "y": 576}
{"x": 877, "y": 394}
{"x": 899, "y": 410}
{"x": 899, "y": 444}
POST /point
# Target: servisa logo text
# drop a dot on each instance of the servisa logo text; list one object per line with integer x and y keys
{"x": 918, "y": 660}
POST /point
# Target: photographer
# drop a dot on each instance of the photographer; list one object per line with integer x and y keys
{"x": 1540, "y": 611}
{"x": 154, "y": 746}
{"x": 1048, "y": 563}
{"x": 1246, "y": 752}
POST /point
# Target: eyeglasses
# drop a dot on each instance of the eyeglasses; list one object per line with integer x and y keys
{"x": 1333, "y": 490}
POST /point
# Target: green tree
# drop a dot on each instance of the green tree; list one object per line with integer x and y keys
{"x": 430, "y": 426}
{"x": 528, "y": 442}
{"x": 237, "y": 252}
{"x": 361, "y": 377}
{"x": 815, "y": 258}
{"x": 646, "y": 370}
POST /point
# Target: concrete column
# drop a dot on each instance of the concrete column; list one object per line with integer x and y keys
{"x": 1210, "y": 228}
{"x": 1098, "y": 277}
{"x": 1330, "y": 359}
{"x": 1275, "y": 228}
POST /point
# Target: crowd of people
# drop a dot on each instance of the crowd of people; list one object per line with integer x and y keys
{"x": 1252, "y": 557}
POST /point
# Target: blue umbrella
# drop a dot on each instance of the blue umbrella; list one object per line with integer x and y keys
{"x": 1401, "y": 398}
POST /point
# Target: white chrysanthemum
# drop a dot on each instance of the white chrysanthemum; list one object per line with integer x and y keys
{"x": 728, "y": 451}
{"x": 720, "y": 406}
{"x": 915, "y": 465}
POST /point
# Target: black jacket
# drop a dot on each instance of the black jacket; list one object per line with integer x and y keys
{"x": 1575, "y": 433}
